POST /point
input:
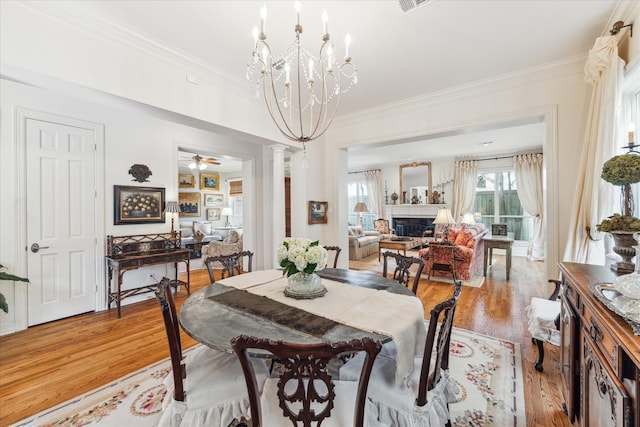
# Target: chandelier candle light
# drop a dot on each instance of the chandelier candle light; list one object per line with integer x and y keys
{"x": 302, "y": 91}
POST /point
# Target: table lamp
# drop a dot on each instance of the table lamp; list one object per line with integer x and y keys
{"x": 227, "y": 212}
{"x": 172, "y": 208}
{"x": 360, "y": 207}
{"x": 468, "y": 219}
{"x": 444, "y": 217}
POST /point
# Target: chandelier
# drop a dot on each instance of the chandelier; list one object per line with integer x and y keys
{"x": 302, "y": 91}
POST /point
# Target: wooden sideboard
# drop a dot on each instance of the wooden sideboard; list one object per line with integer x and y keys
{"x": 126, "y": 253}
{"x": 600, "y": 355}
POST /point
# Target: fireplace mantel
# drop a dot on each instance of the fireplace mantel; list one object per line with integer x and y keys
{"x": 410, "y": 211}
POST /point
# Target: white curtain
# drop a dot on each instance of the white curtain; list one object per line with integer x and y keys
{"x": 594, "y": 197}
{"x": 373, "y": 180}
{"x": 464, "y": 187}
{"x": 528, "y": 169}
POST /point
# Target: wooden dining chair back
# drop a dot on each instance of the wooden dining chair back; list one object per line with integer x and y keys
{"x": 305, "y": 391}
{"x": 231, "y": 264}
{"x": 402, "y": 272}
{"x": 170, "y": 318}
{"x": 429, "y": 377}
{"x": 337, "y": 251}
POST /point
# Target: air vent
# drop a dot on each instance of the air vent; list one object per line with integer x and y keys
{"x": 408, "y": 5}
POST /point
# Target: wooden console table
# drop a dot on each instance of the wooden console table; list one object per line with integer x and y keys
{"x": 126, "y": 253}
{"x": 492, "y": 242}
{"x": 599, "y": 354}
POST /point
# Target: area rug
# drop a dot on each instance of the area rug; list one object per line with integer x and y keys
{"x": 487, "y": 370}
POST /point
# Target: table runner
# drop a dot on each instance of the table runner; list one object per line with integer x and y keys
{"x": 275, "y": 311}
{"x": 398, "y": 316}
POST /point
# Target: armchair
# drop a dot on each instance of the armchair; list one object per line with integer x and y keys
{"x": 382, "y": 226}
{"x": 465, "y": 257}
{"x": 229, "y": 246}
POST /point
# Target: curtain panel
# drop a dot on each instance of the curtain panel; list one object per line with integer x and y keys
{"x": 528, "y": 170}
{"x": 595, "y": 198}
{"x": 373, "y": 179}
{"x": 464, "y": 187}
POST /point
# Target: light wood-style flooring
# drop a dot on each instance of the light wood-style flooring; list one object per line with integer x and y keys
{"x": 48, "y": 364}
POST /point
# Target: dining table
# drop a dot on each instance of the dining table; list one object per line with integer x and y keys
{"x": 357, "y": 304}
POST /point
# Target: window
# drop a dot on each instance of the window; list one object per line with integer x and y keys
{"x": 497, "y": 202}
{"x": 357, "y": 192}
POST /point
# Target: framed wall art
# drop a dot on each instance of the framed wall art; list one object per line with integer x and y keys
{"x": 213, "y": 214}
{"x": 209, "y": 181}
{"x": 317, "y": 212}
{"x": 186, "y": 180}
{"x": 138, "y": 205}
{"x": 213, "y": 200}
{"x": 189, "y": 204}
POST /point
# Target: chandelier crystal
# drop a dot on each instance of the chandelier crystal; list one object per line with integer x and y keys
{"x": 301, "y": 90}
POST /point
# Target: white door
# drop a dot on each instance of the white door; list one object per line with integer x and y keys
{"x": 61, "y": 220}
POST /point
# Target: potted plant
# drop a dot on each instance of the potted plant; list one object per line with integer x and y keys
{"x": 622, "y": 170}
{"x": 6, "y": 276}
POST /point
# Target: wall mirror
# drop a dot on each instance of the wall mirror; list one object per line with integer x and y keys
{"x": 415, "y": 183}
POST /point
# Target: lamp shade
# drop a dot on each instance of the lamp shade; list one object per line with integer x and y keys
{"x": 468, "y": 219}
{"x": 444, "y": 217}
{"x": 227, "y": 212}
{"x": 361, "y": 207}
{"x": 172, "y": 207}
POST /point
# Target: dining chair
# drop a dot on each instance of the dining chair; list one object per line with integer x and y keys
{"x": 305, "y": 392}
{"x": 544, "y": 322}
{"x": 207, "y": 386}
{"x": 231, "y": 264}
{"x": 337, "y": 251}
{"x": 402, "y": 272}
{"x": 425, "y": 401}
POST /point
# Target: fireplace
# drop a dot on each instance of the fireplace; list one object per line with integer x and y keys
{"x": 414, "y": 227}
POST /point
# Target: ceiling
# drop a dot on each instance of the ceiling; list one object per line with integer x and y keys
{"x": 438, "y": 45}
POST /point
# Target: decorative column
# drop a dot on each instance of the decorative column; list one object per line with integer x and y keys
{"x": 279, "y": 230}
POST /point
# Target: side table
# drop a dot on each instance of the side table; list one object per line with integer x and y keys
{"x": 497, "y": 242}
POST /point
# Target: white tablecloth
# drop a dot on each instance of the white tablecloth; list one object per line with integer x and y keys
{"x": 394, "y": 315}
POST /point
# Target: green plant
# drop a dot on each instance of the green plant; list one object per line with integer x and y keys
{"x": 617, "y": 222}
{"x": 622, "y": 170}
{"x": 6, "y": 276}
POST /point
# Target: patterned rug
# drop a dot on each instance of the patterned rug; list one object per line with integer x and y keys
{"x": 488, "y": 371}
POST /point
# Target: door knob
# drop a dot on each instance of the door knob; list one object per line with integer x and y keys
{"x": 36, "y": 247}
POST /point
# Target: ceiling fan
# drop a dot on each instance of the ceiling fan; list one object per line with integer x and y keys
{"x": 201, "y": 163}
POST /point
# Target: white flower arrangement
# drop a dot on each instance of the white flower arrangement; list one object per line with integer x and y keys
{"x": 298, "y": 255}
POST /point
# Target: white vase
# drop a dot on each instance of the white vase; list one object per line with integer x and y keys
{"x": 304, "y": 286}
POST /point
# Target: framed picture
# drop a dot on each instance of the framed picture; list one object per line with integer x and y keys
{"x": 213, "y": 214}
{"x": 209, "y": 181}
{"x": 499, "y": 229}
{"x": 213, "y": 200}
{"x": 186, "y": 180}
{"x": 138, "y": 205}
{"x": 318, "y": 212}
{"x": 189, "y": 204}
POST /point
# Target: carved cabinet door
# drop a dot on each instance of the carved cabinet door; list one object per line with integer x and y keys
{"x": 606, "y": 402}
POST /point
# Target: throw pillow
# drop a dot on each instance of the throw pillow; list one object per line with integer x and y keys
{"x": 357, "y": 231}
{"x": 186, "y": 232}
{"x": 464, "y": 236}
{"x": 205, "y": 228}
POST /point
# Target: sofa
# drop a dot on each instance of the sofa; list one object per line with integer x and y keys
{"x": 362, "y": 243}
{"x": 468, "y": 251}
{"x": 192, "y": 230}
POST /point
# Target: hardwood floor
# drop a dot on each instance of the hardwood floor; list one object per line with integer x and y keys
{"x": 48, "y": 364}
